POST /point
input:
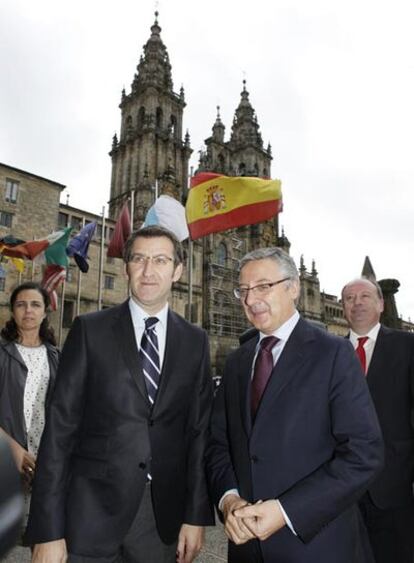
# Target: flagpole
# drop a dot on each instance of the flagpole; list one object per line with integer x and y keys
{"x": 190, "y": 265}
{"x": 131, "y": 210}
{"x": 33, "y": 268}
{"x": 101, "y": 256}
{"x": 62, "y": 306}
{"x": 78, "y": 290}
{"x": 156, "y": 190}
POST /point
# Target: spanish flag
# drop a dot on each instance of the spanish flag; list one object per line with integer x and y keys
{"x": 216, "y": 203}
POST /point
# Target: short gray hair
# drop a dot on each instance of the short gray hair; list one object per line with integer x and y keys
{"x": 284, "y": 261}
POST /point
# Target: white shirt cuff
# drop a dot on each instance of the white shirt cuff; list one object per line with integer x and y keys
{"x": 286, "y": 517}
{"x": 229, "y": 492}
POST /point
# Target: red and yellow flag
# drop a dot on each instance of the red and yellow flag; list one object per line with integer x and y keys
{"x": 216, "y": 203}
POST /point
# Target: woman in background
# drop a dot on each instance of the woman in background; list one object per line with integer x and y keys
{"x": 28, "y": 363}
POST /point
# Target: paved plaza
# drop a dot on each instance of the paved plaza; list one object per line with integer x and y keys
{"x": 215, "y": 549}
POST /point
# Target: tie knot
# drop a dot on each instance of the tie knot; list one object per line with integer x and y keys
{"x": 150, "y": 323}
{"x": 268, "y": 342}
{"x": 362, "y": 340}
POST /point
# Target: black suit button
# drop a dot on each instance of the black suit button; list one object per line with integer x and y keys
{"x": 150, "y": 422}
{"x": 254, "y": 459}
{"x": 142, "y": 465}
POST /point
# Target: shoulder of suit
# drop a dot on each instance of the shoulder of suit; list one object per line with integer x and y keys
{"x": 183, "y": 324}
{"x": 321, "y": 334}
{"x": 104, "y": 314}
{"x": 397, "y": 334}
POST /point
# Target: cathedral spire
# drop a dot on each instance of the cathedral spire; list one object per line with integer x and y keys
{"x": 154, "y": 68}
{"x": 218, "y": 128}
{"x": 245, "y": 129}
{"x": 368, "y": 270}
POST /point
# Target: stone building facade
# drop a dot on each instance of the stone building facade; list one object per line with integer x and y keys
{"x": 150, "y": 157}
{"x": 30, "y": 209}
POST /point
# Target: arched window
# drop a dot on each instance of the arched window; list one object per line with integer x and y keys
{"x": 221, "y": 254}
{"x": 242, "y": 169}
{"x": 158, "y": 117}
{"x": 220, "y": 163}
{"x": 173, "y": 122}
{"x": 141, "y": 117}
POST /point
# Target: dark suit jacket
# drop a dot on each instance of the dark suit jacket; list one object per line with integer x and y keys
{"x": 13, "y": 375}
{"x": 315, "y": 445}
{"x": 390, "y": 380}
{"x": 101, "y": 436}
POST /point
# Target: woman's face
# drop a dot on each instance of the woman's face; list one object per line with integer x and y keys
{"x": 29, "y": 310}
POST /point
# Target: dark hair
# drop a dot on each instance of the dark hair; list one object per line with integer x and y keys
{"x": 10, "y": 331}
{"x": 154, "y": 231}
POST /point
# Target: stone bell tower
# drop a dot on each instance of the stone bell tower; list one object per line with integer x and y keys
{"x": 150, "y": 149}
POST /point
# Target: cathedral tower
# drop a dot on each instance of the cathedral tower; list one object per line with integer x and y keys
{"x": 151, "y": 149}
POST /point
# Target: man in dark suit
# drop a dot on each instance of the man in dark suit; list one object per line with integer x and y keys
{"x": 293, "y": 433}
{"x": 121, "y": 465}
{"x": 387, "y": 358}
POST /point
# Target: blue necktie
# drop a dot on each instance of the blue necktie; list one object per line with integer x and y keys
{"x": 150, "y": 357}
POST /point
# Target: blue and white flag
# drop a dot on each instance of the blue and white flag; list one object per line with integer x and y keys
{"x": 170, "y": 214}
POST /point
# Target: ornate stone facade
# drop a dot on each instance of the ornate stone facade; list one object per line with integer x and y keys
{"x": 152, "y": 154}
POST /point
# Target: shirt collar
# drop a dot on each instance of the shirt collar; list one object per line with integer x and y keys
{"x": 372, "y": 334}
{"x": 286, "y": 329}
{"x": 139, "y": 315}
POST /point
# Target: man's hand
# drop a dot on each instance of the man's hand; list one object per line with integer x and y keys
{"x": 190, "y": 542}
{"x": 236, "y": 529}
{"x": 50, "y": 552}
{"x": 263, "y": 518}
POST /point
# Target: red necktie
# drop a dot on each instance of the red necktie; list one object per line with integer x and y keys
{"x": 262, "y": 370}
{"x": 360, "y": 350}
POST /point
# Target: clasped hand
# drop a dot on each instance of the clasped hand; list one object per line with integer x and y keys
{"x": 244, "y": 521}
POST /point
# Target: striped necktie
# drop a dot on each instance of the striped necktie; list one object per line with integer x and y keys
{"x": 150, "y": 357}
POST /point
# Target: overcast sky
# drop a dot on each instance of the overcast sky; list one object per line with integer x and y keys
{"x": 332, "y": 84}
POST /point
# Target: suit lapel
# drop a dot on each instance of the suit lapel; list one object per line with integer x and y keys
{"x": 244, "y": 382}
{"x": 172, "y": 356}
{"x": 379, "y": 356}
{"x": 125, "y": 335}
{"x": 289, "y": 363}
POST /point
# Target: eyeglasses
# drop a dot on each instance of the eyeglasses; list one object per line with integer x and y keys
{"x": 261, "y": 289}
{"x": 159, "y": 261}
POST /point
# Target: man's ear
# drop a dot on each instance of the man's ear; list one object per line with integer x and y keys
{"x": 177, "y": 273}
{"x": 294, "y": 289}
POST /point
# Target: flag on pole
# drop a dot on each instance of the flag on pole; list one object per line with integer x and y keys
{"x": 18, "y": 263}
{"x": 170, "y": 214}
{"x": 24, "y": 249}
{"x": 78, "y": 246}
{"x": 121, "y": 234}
{"x": 216, "y": 203}
{"x": 55, "y": 253}
{"x": 16, "y": 248}
{"x": 52, "y": 277}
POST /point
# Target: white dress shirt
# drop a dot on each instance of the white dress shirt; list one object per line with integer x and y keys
{"x": 138, "y": 320}
{"x": 369, "y": 344}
